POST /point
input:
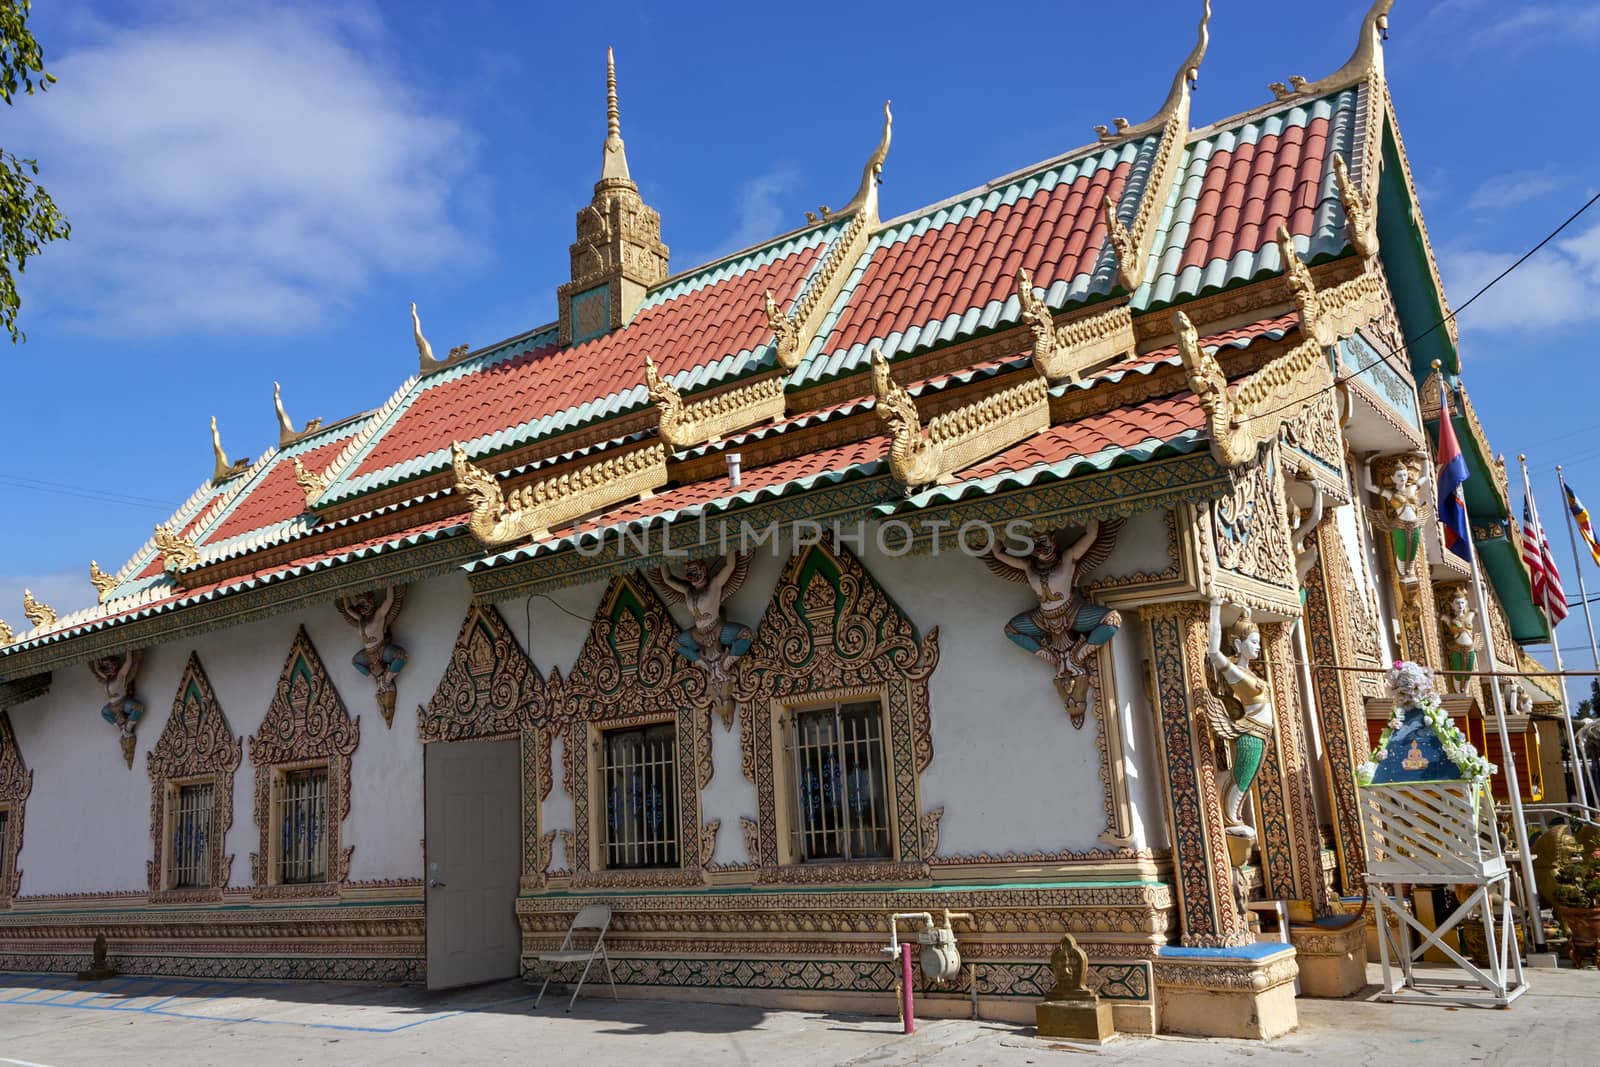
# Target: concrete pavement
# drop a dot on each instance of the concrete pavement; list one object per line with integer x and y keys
{"x": 52, "y": 1021}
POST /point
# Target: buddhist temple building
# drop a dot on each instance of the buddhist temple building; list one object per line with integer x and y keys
{"x": 1033, "y": 554}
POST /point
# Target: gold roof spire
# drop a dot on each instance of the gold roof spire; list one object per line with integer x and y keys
{"x": 222, "y": 470}
{"x": 615, "y": 165}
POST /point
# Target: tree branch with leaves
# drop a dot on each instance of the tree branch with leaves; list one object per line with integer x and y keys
{"x": 29, "y": 219}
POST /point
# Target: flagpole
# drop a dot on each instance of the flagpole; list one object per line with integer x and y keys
{"x": 1583, "y": 591}
{"x": 1555, "y": 645}
{"x": 1577, "y": 565}
{"x": 1519, "y": 827}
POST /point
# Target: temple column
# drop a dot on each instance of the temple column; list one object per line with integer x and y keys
{"x": 1286, "y": 820}
{"x": 1208, "y": 907}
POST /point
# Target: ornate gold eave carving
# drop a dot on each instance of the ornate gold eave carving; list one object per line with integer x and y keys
{"x": 102, "y": 582}
{"x": 1360, "y": 218}
{"x": 1366, "y": 61}
{"x": 176, "y": 553}
{"x": 1241, "y": 419}
{"x": 7, "y": 635}
{"x": 287, "y": 434}
{"x": 426, "y": 364}
{"x": 959, "y": 438}
{"x": 684, "y": 425}
{"x": 39, "y": 613}
{"x": 1063, "y": 353}
{"x": 311, "y": 483}
{"x": 1131, "y": 242}
{"x": 794, "y": 330}
{"x": 529, "y": 513}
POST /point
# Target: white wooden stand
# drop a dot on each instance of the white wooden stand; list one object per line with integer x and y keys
{"x": 1434, "y": 834}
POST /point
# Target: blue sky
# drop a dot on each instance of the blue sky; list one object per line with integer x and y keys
{"x": 256, "y": 195}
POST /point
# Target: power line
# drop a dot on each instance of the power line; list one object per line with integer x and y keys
{"x": 59, "y": 489}
{"x": 1338, "y": 380}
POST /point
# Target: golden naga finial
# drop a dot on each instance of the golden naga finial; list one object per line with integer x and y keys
{"x": 7, "y": 635}
{"x": 615, "y": 163}
{"x": 1329, "y": 314}
{"x": 1124, "y": 246}
{"x": 221, "y": 469}
{"x": 1177, "y": 97}
{"x": 913, "y": 459}
{"x": 1063, "y": 353}
{"x": 41, "y": 615}
{"x": 101, "y": 580}
{"x": 667, "y": 400}
{"x": 1359, "y": 223}
{"x": 866, "y": 198}
{"x": 311, "y": 483}
{"x": 425, "y": 359}
{"x": 287, "y": 434}
{"x": 176, "y": 553}
{"x": 1367, "y": 60}
{"x": 786, "y": 334}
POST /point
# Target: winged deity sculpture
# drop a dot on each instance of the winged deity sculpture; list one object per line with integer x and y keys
{"x": 711, "y": 642}
{"x": 122, "y": 708}
{"x": 373, "y": 614}
{"x": 1066, "y": 628}
{"x": 1403, "y": 511}
{"x": 1238, "y": 707}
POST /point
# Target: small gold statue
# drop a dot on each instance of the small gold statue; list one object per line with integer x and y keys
{"x": 1239, "y": 707}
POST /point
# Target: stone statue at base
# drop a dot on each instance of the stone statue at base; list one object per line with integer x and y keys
{"x": 1071, "y": 1010}
{"x": 99, "y": 968}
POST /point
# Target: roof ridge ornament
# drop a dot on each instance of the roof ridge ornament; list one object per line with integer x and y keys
{"x": 287, "y": 434}
{"x": 1062, "y": 353}
{"x": 683, "y": 425}
{"x": 221, "y": 469}
{"x": 7, "y": 635}
{"x": 1359, "y": 222}
{"x": 311, "y": 483}
{"x": 615, "y": 163}
{"x": 176, "y": 552}
{"x": 102, "y": 581}
{"x": 866, "y": 198}
{"x": 1366, "y": 61}
{"x": 42, "y": 615}
{"x": 1177, "y": 97}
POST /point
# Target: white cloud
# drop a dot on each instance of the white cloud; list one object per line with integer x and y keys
{"x": 242, "y": 170}
{"x": 1480, "y": 25}
{"x": 66, "y": 591}
{"x": 1505, "y": 191}
{"x": 759, "y": 215}
{"x": 1558, "y": 288}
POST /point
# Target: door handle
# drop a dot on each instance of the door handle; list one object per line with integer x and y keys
{"x": 434, "y": 883}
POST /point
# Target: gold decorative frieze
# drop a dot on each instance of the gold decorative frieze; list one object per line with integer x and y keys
{"x": 1252, "y": 413}
{"x": 1131, "y": 242}
{"x": 684, "y": 425}
{"x": 221, "y": 469}
{"x": 1360, "y": 221}
{"x": 1063, "y": 353}
{"x": 102, "y": 582}
{"x": 794, "y": 330}
{"x": 958, "y": 438}
{"x": 287, "y": 434}
{"x": 530, "y": 512}
{"x": 42, "y": 615}
{"x": 176, "y": 553}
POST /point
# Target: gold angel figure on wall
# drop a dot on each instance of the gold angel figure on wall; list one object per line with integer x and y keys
{"x": 1239, "y": 706}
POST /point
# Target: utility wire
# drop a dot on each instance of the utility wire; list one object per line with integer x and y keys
{"x": 1338, "y": 381}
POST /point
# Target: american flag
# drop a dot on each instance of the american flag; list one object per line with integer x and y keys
{"x": 1547, "y": 590}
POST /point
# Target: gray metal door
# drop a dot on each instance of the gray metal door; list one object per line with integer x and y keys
{"x": 472, "y": 804}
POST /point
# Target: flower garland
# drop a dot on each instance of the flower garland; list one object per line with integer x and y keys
{"x": 1412, "y": 687}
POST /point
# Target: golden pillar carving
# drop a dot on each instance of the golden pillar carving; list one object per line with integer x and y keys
{"x": 1286, "y": 820}
{"x": 1207, "y": 904}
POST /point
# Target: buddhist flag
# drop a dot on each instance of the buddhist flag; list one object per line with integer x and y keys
{"x": 1580, "y": 515}
{"x": 1451, "y": 467}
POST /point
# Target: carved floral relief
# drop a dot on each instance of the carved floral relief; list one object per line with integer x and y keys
{"x": 196, "y": 745}
{"x": 16, "y": 782}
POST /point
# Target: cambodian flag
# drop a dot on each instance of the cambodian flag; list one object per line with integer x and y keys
{"x": 1451, "y": 467}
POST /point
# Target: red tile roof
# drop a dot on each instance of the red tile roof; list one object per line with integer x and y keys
{"x": 275, "y": 496}
{"x": 1123, "y": 427}
{"x": 1056, "y": 234}
{"x": 689, "y": 330}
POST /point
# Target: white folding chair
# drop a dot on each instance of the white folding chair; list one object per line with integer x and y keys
{"x": 595, "y": 917}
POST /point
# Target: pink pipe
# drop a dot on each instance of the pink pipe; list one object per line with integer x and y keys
{"x": 905, "y": 989}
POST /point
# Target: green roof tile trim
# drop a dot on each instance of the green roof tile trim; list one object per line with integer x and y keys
{"x": 1046, "y": 473}
{"x": 1170, "y": 281}
{"x": 822, "y": 363}
{"x": 718, "y": 270}
{"x": 1405, "y": 262}
{"x": 1512, "y": 586}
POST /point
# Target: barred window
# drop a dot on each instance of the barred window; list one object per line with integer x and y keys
{"x": 836, "y": 764}
{"x": 640, "y": 778}
{"x": 190, "y": 822}
{"x": 302, "y": 826}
